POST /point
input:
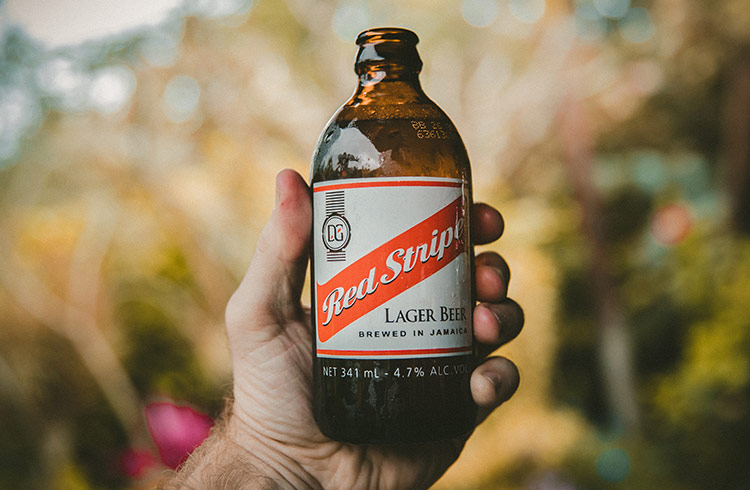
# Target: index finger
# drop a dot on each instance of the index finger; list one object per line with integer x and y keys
{"x": 486, "y": 223}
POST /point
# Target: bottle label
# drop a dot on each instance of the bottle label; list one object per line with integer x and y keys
{"x": 392, "y": 268}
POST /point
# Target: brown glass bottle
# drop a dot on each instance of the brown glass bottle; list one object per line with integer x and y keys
{"x": 392, "y": 258}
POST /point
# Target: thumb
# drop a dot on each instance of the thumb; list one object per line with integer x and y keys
{"x": 270, "y": 291}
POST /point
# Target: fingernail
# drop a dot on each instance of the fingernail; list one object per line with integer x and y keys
{"x": 500, "y": 322}
{"x": 496, "y": 380}
{"x": 501, "y": 274}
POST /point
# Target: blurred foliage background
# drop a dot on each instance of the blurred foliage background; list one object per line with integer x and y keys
{"x": 136, "y": 170}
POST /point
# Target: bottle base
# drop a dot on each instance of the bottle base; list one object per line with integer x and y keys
{"x": 393, "y": 405}
{"x": 396, "y": 438}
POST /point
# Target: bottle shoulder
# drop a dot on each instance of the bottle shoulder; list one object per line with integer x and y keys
{"x": 373, "y": 110}
{"x": 384, "y": 140}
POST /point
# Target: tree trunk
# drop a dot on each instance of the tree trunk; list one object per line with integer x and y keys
{"x": 614, "y": 346}
{"x": 737, "y": 143}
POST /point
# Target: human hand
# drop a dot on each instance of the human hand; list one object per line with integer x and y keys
{"x": 270, "y": 439}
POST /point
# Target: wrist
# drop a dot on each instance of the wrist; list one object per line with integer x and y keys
{"x": 223, "y": 462}
{"x": 324, "y": 464}
{"x": 281, "y": 466}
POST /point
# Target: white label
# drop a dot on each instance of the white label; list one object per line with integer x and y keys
{"x": 391, "y": 258}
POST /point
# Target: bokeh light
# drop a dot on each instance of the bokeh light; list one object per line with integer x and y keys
{"x": 66, "y": 80}
{"x": 649, "y": 171}
{"x": 349, "y": 20}
{"x": 671, "y": 224}
{"x": 528, "y": 11}
{"x": 480, "y": 13}
{"x": 111, "y": 89}
{"x": 613, "y": 9}
{"x": 613, "y": 465}
{"x": 161, "y": 47}
{"x": 20, "y": 114}
{"x": 181, "y": 97}
{"x": 222, "y": 8}
{"x": 589, "y": 24}
{"x": 636, "y": 26}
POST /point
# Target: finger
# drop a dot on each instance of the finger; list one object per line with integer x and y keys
{"x": 492, "y": 383}
{"x": 271, "y": 288}
{"x": 486, "y": 223}
{"x": 496, "y": 324}
{"x": 492, "y": 275}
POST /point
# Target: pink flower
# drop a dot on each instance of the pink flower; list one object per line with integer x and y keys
{"x": 176, "y": 430}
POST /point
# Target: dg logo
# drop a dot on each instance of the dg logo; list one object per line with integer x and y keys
{"x": 336, "y": 232}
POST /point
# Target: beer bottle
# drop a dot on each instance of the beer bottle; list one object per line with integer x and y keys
{"x": 392, "y": 258}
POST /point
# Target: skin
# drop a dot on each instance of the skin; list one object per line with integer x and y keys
{"x": 269, "y": 438}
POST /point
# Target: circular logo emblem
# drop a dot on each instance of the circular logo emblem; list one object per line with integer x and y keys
{"x": 336, "y": 232}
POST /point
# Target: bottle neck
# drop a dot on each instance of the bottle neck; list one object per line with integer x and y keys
{"x": 388, "y": 65}
{"x": 392, "y": 88}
